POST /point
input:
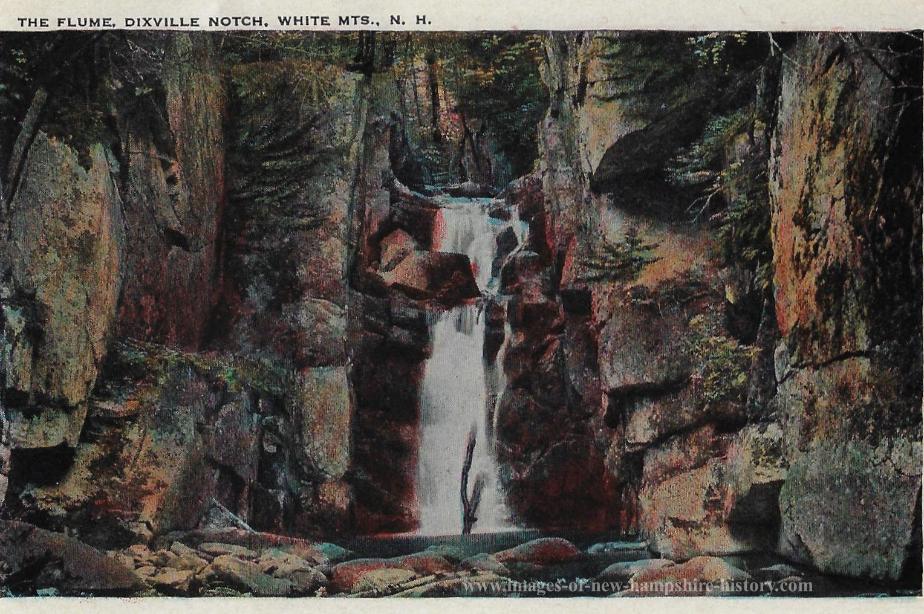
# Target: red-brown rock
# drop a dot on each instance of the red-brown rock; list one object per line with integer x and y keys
{"x": 446, "y": 277}
{"x": 345, "y": 575}
{"x": 542, "y": 551}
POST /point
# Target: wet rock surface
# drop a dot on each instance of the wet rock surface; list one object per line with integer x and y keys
{"x": 38, "y": 562}
{"x": 434, "y": 275}
{"x": 540, "y": 552}
{"x": 699, "y": 576}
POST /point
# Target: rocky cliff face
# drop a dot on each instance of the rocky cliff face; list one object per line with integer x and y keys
{"x": 191, "y": 308}
{"x": 621, "y": 306}
{"x": 103, "y": 239}
{"x": 707, "y": 458}
{"x": 72, "y": 281}
{"x": 546, "y": 415}
{"x": 846, "y": 206}
{"x": 58, "y": 310}
{"x": 172, "y": 172}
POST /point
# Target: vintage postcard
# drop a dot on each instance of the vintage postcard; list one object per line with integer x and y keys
{"x": 324, "y": 303}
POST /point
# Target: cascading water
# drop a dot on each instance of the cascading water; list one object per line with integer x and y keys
{"x": 455, "y": 393}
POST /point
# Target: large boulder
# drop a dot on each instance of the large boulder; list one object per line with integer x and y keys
{"x": 245, "y": 576}
{"x": 843, "y": 197}
{"x": 832, "y": 494}
{"x": 348, "y": 576}
{"x": 65, "y": 268}
{"x": 525, "y": 272}
{"x": 305, "y": 577}
{"x": 396, "y": 246}
{"x": 446, "y": 277}
{"x": 34, "y": 558}
{"x": 542, "y": 551}
{"x": 702, "y": 575}
{"x": 621, "y": 571}
{"x": 708, "y": 493}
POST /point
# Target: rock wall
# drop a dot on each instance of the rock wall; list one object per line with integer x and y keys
{"x": 294, "y": 159}
{"x": 547, "y": 418}
{"x": 726, "y": 432}
{"x": 845, "y": 196}
{"x": 211, "y": 346}
{"x": 58, "y": 310}
{"x": 107, "y": 239}
{"x": 119, "y": 240}
{"x": 617, "y": 309}
{"x": 716, "y": 465}
{"x": 172, "y": 169}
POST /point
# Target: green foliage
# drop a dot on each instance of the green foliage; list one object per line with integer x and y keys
{"x": 89, "y": 78}
{"x": 744, "y": 233}
{"x": 273, "y": 149}
{"x": 131, "y": 361}
{"x": 648, "y": 71}
{"x": 498, "y": 80}
{"x": 695, "y": 164}
{"x": 304, "y": 86}
{"x": 714, "y": 48}
{"x": 333, "y": 49}
{"x": 726, "y": 165}
{"x": 20, "y": 57}
{"x": 621, "y": 261}
{"x": 721, "y": 363}
{"x": 492, "y": 77}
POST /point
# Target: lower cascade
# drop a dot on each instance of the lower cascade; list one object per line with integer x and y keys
{"x": 459, "y": 388}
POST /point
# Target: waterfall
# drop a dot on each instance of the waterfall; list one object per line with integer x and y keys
{"x": 455, "y": 393}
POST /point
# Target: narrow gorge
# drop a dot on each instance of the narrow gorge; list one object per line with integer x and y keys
{"x": 368, "y": 313}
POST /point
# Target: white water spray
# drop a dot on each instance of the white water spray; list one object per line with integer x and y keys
{"x": 455, "y": 389}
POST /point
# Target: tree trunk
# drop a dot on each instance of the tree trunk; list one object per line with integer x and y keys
{"x": 434, "y": 97}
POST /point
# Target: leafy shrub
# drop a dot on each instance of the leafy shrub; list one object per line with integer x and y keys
{"x": 732, "y": 187}
{"x": 721, "y": 363}
{"x": 712, "y": 49}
